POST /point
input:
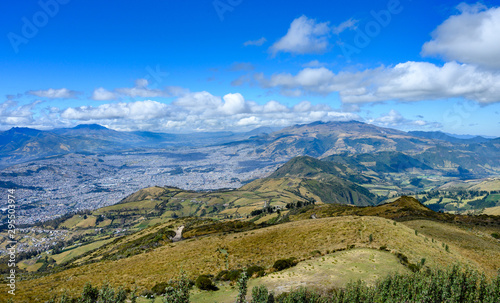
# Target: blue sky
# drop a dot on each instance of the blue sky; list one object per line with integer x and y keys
{"x": 179, "y": 66}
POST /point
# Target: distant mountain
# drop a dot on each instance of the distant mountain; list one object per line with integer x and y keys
{"x": 448, "y": 137}
{"x": 377, "y": 149}
{"x": 24, "y": 144}
{"x": 321, "y": 139}
{"x": 366, "y": 147}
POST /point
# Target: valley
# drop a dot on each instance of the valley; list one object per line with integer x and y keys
{"x": 329, "y": 198}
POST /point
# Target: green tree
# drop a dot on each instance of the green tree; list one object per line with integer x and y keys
{"x": 242, "y": 288}
{"x": 178, "y": 291}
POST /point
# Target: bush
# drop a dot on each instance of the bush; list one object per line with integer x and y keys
{"x": 495, "y": 235}
{"x": 159, "y": 289}
{"x": 260, "y": 294}
{"x": 229, "y": 275}
{"x": 258, "y": 271}
{"x": 284, "y": 263}
{"x": 147, "y": 294}
{"x": 178, "y": 290}
{"x": 204, "y": 282}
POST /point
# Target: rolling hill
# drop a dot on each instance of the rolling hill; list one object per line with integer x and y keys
{"x": 405, "y": 228}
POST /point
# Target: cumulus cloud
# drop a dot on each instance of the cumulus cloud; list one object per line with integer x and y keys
{"x": 197, "y": 111}
{"x": 348, "y": 24}
{"x": 410, "y": 81}
{"x": 233, "y": 104}
{"x": 62, "y": 93}
{"x": 258, "y": 42}
{"x": 141, "y": 90}
{"x": 305, "y": 36}
{"x": 101, "y": 94}
{"x": 138, "y": 110}
{"x": 13, "y": 114}
{"x": 314, "y": 63}
{"x": 395, "y": 119}
{"x": 469, "y": 37}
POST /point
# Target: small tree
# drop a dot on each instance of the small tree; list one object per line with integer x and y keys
{"x": 89, "y": 294}
{"x": 178, "y": 291}
{"x": 242, "y": 288}
{"x": 260, "y": 294}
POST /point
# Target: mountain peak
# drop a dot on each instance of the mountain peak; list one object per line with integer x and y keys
{"x": 24, "y": 130}
{"x": 90, "y": 126}
{"x": 406, "y": 202}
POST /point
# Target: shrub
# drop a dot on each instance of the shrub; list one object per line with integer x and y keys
{"x": 204, "y": 282}
{"x": 229, "y": 275}
{"x": 159, "y": 289}
{"x": 89, "y": 294}
{"x": 147, "y": 294}
{"x": 255, "y": 271}
{"x": 284, "y": 263}
{"x": 260, "y": 294}
{"x": 495, "y": 235}
{"x": 242, "y": 288}
{"x": 315, "y": 253}
{"x": 178, "y": 290}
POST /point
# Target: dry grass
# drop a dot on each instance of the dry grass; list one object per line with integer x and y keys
{"x": 493, "y": 211}
{"x": 262, "y": 247}
{"x": 475, "y": 244}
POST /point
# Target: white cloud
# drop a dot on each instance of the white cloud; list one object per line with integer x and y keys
{"x": 470, "y": 37}
{"x": 101, "y": 94}
{"x": 249, "y": 121}
{"x": 314, "y": 63}
{"x": 409, "y": 81}
{"x": 53, "y": 93}
{"x": 348, "y": 24}
{"x": 139, "y": 110}
{"x": 395, "y": 119}
{"x": 141, "y": 83}
{"x": 233, "y": 104}
{"x": 258, "y": 42}
{"x": 13, "y": 114}
{"x": 304, "y": 36}
{"x": 198, "y": 101}
{"x": 141, "y": 90}
{"x": 197, "y": 111}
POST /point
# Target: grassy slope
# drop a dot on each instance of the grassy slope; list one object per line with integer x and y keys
{"x": 476, "y": 244}
{"x": 493, "y": 211}
{"x": 262, "y": 246}
{"x": 331, "y": 270}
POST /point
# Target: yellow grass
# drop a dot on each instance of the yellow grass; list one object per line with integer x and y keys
{"x": 494, "y": 211}
{"x": 262, "y": 247}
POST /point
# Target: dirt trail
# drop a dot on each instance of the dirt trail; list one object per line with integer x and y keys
{"x": 178, "y": 234}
